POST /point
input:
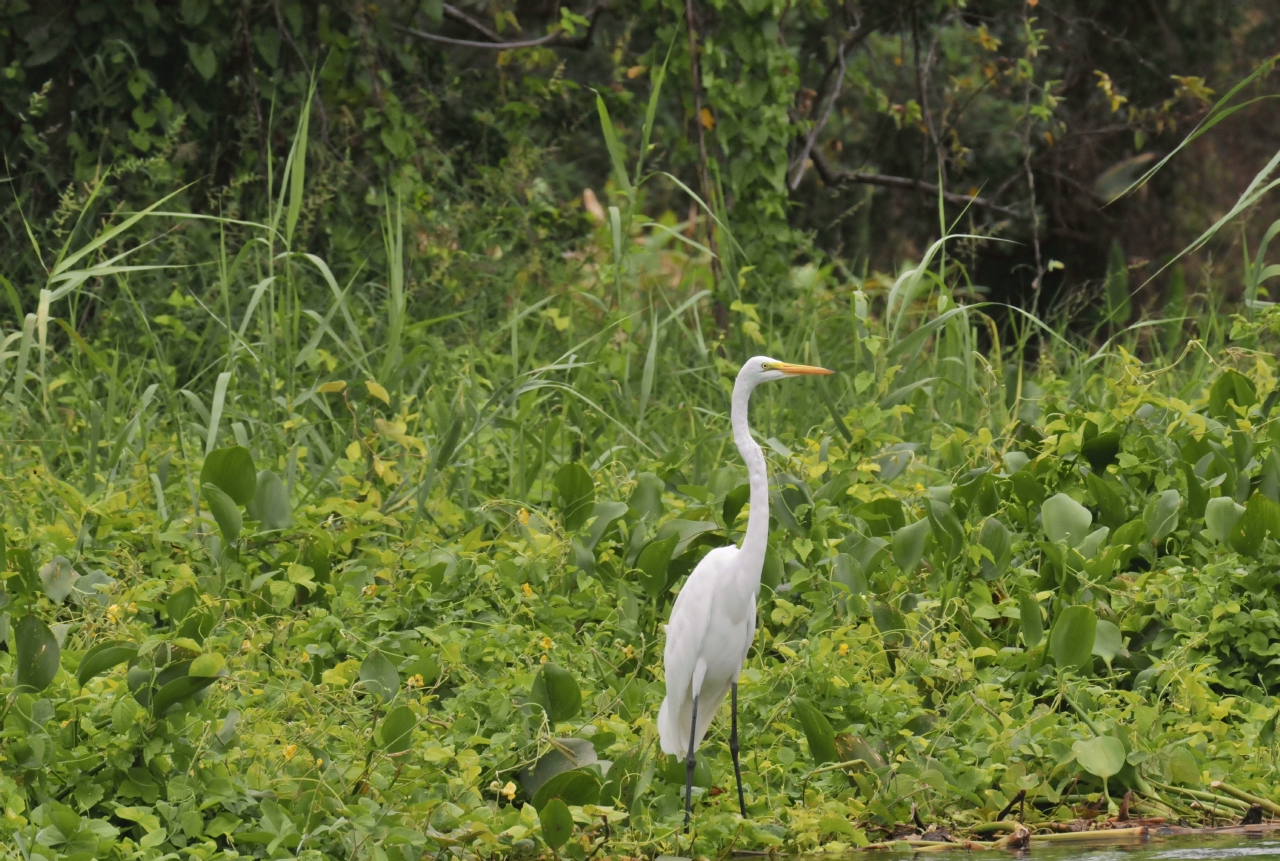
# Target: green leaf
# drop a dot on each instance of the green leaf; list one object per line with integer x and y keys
{"x": 575, "y": 788}
{"x": 395, "y": 731}
{"x": 180, "y": 603}
{"x": 203, "y": 59}
{"x": 1107, "y": 496}
{"x": 575, "y": 491}
{"x": 4, "y": 550}
{"x": 270, "y": 504}
{"x": 1160, "y": 517}
{"x": 1183, "y": 767}
{"x": 817, "y": 729}
{"x": 1072, "y": 637}
{"x": 1101, "y": 450}
{"x": 1032, "y": 622}
{"x": 908, "y": 545}
{"x": 646, "y": 499}
{"x": 1102, "y": 756}
{"x": 995, "y": 537}
{"x": 224, "y": 511}
{"x": 653, "y": 562}
{"x": 1064, "y": 519}
{"x": 604, "y": 515}
{"x": 1231, "y": 387}
{"x": 556, "y": 691}
{"x": 103, "y": 657}
{"x": 1107, "y": 641}
{"x": 1221, "y": 514}
{"x": 615, "y": 148}
{"x": 380, "y": 676}
{"x": 38, "y": 654}
{"x": 1261, "y": 518}
{"x": 232, "y": 471}
{"x": 207, "y": 665}
{"x": 175, "y": 692}
{"x": 556, "y": 822}
{"x": 771, "y": 573}
{"x": 58, "y": 577}
{"x": 946, "y": 527}
{"x": 734, "y": 501}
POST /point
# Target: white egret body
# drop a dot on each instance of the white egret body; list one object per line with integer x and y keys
{"x": 713, "y": 621}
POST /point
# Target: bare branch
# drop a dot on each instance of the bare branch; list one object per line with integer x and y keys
{"x": 458, "y": 15}
{"x": 835, "y": 176}
{"x": 555, "y": 39}
{"x": 841, "y": 49}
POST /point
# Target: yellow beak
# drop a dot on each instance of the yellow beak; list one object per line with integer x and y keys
{"x": 797, "y": 370}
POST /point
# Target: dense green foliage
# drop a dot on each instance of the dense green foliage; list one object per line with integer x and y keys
{"x": 344, "y": 493}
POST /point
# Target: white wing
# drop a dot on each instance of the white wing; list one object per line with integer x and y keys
{"x": 685, "y": 658}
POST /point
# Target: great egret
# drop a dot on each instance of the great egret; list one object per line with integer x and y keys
{"x": 714, "y": 618}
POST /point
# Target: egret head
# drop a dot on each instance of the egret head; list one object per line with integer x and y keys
{"x": 762, "y": 369}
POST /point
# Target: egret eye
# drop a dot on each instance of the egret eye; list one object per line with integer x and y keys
{"x": 764, "y": 366}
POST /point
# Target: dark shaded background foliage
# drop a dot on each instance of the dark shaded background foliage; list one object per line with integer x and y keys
{"x": 491, "y": 149}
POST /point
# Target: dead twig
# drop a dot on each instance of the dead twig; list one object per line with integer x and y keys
{"x": 553, "y": 39}
{"x": 834, "y": 176}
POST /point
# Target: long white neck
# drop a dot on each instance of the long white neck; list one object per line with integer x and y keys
{"x": 757, "y": 537}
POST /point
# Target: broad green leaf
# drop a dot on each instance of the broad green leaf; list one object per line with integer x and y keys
{"x": 575, "y": 492}
{"x": 734, "y": 501}
{"x": 883, "y": 516}
{"x": 1101, "y": 756}
{"x": 270, "y": 504}
{"x": 395, "y": 731}
{"x": 1231, "y": 387}
{"x": 771, "y": 573}
{"x": 1107, "y": 641}
{"x": 557, "y": 692}
{"x": 180, "y": 603}
{"x": 646, "y": 498}
{"x": 1064, "y": 519}
{"x": 1031, "y": 620}
{"x": 174, "y": 693}
{"x": 908, "y": 545}
{"x": 1106, "y": 494}
{"x": 995, "y": 537}
{"x": 224, "y": 511}
{"x": 556, "y": 822}
{"x": 946, "y": 527}
{"x": 575, "y": 788}
{"x": 57, "y": 577}
{"x": 604, "y": 515}
{"x": 817, "y": 729}
{"x": 380, "y": 676}
{"x": 653, "y": 562}
{"x": 103, "y": 657}
{"x": 1221, "y": 514}
{"x": 1261, "y": 518}
{"x": 38, "y": 654}
{"x": 208, "y": 664}
{"x": 1101, "y": 450}
{"x": 1183, "y": 767}
{"x": 232, "y": 471}
{"x": 1072, "y": 637}
{"x": 1160, "y": 516}
{"x": 1092, "y": 541}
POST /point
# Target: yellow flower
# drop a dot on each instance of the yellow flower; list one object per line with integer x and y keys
{"x": 415, "y": 681}
{"x": 370, "y": 590}
{"x": 544, "y": 659}
{"x": 245, "y": 646}
{"x": 305, "y": 658}
{"x": 319, "y": 762}
{"x": 290, "y": 751}
{"x": 523, "y": 516}
{"x": 509, "y": 790}
{"x": 547, "y": 644}
{"x": 527, "y": 590}
{"x": 629, "y": 652}
{"x": 844, "y": 649}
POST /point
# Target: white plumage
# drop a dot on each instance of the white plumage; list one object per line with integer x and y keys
{"x": 713, "y": 621}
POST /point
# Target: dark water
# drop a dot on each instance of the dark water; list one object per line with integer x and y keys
{"x": 1155, "y": 848}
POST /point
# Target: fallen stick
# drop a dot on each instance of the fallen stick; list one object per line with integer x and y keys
{"x": 1116, "y": 835}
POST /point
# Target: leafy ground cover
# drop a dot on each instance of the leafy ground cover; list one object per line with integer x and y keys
{"x": 363, "y": 586}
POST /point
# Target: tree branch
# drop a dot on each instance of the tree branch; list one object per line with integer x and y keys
{"x": 555, "y": 39}
{"x": 834, "y": 176}
{"x": 850, "y": 36}
{"x": 458, "y": 15}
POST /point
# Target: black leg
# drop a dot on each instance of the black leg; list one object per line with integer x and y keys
{"x": 690, "y": 763}
{"x": 733, "y": 749}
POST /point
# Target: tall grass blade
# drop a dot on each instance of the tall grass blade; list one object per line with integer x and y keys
{"x": 215, "y": 410}
{"x": 615, "y": 148}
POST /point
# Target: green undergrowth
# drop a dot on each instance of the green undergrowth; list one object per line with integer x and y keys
{"x": 365, "y": 584}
